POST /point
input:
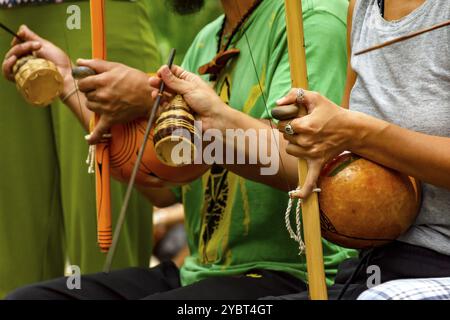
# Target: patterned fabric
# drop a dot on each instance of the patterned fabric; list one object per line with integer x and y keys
{"x": 410, "y": 289}
{"x": 15, "y": 3}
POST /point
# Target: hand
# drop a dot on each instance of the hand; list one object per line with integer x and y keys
{"x": 197, "y": 93}
{"x": 117, "y": 93}
{"x": 319, "y": 136}
{"x": 38, "y": 46}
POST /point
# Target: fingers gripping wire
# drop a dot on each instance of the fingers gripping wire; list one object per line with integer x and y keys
{"x": 297, "y": 235}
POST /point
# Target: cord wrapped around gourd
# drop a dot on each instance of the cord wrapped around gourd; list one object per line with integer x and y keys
{"x": 38, "y": 80}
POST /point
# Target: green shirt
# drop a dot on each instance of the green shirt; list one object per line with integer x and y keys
{"x": 236, "y": 225}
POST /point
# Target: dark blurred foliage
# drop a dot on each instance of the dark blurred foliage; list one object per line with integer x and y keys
{"x": 173, "y": 30}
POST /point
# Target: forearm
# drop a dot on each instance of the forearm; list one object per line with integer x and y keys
{"x": 266, "y": 160}
{"x": 422, "y": 156}
{"x": 76, "y": 102}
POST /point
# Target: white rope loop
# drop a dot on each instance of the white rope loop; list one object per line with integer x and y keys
{"x": 297, "y": 235}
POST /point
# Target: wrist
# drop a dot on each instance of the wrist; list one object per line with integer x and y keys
{"x": 362, "y": 130}
{"x": 68, "y": 85}
{"x": 219, "y": 117}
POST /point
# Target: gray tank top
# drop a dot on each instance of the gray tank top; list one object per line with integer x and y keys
{"x": 408, "y": 84}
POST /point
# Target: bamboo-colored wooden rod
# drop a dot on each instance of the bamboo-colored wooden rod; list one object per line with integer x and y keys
{"x": 310, "y": 206}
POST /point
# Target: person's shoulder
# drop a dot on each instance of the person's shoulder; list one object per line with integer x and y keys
{"x": 336, "y": 8}
{"x": 273, "y": 12}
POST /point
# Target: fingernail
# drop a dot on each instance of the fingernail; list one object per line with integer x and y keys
{"x": 87, "y": 137}
{"x": 80, "y": 61}
{"x": 107, "y": 135}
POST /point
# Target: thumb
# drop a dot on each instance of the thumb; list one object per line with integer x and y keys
{"x": 314, "y": 169}
{"x": 99, "y": 66}
{"x": 172, "y": 82}
{"x": 102, "y": 127}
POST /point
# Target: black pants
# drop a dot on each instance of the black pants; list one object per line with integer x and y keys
{"x": 396, "y": 260}
{"x": 163, "y": 283}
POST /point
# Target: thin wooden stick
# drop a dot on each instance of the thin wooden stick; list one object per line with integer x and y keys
{"x": 403, "y": 38}
{"x": 310, "y": 206}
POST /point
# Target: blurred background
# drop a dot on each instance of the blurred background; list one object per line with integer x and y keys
{"x": 173, "y": 30}
{"x": 47, "y": 199}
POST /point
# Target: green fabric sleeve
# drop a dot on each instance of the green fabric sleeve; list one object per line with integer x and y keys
{"x": 278, "y": 70}
{"x": 326, "y": 60}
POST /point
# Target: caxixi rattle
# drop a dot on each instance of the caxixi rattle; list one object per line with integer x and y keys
{"x": 37, "y": 79}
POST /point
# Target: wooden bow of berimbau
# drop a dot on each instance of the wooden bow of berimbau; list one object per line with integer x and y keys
{"x": 107, "y": 241}
{"x": 310, "y": 205}
{"x": 102, "y": 161}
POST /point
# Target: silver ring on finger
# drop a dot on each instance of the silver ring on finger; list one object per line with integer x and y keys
{"x": 288, "y": 129}
{"x": 300, "y": 96}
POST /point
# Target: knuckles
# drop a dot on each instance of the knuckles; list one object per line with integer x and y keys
{"x": 102, "y": 95}
{"x": 314, "y": 96}
{"x": 103, "y": 80}
{"x": 305, "y": 141}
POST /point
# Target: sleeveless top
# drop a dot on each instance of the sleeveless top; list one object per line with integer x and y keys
{"x": 408, "y": 84}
